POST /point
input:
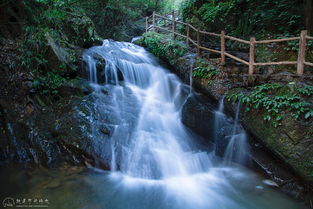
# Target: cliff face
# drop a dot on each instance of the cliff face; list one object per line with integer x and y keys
{"x": 287, "y": 136}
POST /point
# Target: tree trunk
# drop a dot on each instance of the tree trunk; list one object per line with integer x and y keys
{"x": 308, "y": 7}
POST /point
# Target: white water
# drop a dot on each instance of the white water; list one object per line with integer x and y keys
{"x": 237, "y": 149}
{"x": 158, "y": 164}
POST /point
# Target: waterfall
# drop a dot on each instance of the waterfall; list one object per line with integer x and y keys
{"x": 159, "y": 145}
{"x": 190, "y": 80}
{"x": 155, "y": 161}
{"x": 237, "y": 149}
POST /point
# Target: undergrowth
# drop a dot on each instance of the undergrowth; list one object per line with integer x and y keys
{"x": 160, "y": 46}
{"x": 277, "y": 100}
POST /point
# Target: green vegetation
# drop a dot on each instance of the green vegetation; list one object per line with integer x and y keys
{"x": 54, "y": 32}
{"x": 242, "y": 18}
{"x": 266, "y": 19}
{"x": 277, "y": 100}
{"x": 49, "y": 84}
{"x": 160, "y": 46}
{"x": 205, "y": 72}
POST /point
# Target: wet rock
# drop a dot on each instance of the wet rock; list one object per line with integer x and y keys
{"x": 197, "y": 114}
{"x": 105, "y": 131}
{"x": 269, "y": 182}
{"x": 100, "y": 65}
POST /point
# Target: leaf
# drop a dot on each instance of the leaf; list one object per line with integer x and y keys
{"x": 308, "y": 114}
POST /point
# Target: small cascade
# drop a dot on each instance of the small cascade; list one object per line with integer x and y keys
{"x": 190, "y": 80}
{"x": 219, "y": 117}
{"x": 237, "y": 149}
{"x": 219, "y": 120}
{"x": 230, "y": 139}
{"x": 113, "y": 158}
{"x": 91, "y": 68}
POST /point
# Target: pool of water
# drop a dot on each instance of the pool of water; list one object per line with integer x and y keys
{"x": 76, "y": 187}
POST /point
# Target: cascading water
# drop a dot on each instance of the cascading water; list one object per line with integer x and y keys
{"x": 155, "y": 160}
{"x": 237, "y": 148}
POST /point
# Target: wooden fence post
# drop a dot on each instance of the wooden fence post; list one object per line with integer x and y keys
{"x": 198, "y": 41}
{"x": 173, "y": 24}
{"x": 251, "y": 57}
{"x": 147, "y": 24}
{"x": 188, "y": 34}
{"x": 153, "y": 16}
{"x": 223, "y": 47}
{"x": 301, "y": 54}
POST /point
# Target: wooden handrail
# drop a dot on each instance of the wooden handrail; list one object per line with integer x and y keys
{"x": 277, "y": 40}
{"x": 309, "y": 37}
{"x": 237, "y": 39}
{"x": 251, "y": 63}
{"x": 163, "y": 17}
{"x": 192, "y": 41}
{"x": 158, "y": 27}
{"x": 276, "y": 63}
{"x": 236, "y": 58}
{"x": 210, "y": 50}
{"x": 309, "y": 63}
{"x": 180, "y": 22}
{"x": 210, "y": 33}
{"x": 191, "y": 26}
{"x": 180, "y": 35}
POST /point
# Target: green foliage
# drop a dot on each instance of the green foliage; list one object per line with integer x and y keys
{"x": 213, "y": 10}
{"x": 33, "y": 48}
{"x": 49, "y": 84}
{"x": 117, "y": 19}
{"x": 205, "y": 72}
{"x": 306, "y": 90}
{"x": 159, "y": 45}
{"x": 242, "y": 18}
{"x": 276, "y": 100}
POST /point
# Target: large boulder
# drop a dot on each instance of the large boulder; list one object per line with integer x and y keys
{"x": 198, "y": 115}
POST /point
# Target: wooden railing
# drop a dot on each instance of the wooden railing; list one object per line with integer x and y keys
{"x": 172, "y": 22}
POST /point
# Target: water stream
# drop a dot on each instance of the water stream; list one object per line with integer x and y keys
{"x": 156, "y": 163}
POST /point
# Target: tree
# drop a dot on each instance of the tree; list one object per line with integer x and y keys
{"x": 308, "y": 7}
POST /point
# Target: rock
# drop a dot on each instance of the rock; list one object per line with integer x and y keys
{"x": 80, "y": 30}
{"x": 271, "y": 183}
{"x": 105, "y": 131}
{"x": 100, "y": 67}
{"x": 259, "y": 187}
{"x": 197, "y": 114}
{"x": 29, "y": 108}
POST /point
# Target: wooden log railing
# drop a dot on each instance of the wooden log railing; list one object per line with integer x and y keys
{"x": 300, "y": 62}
